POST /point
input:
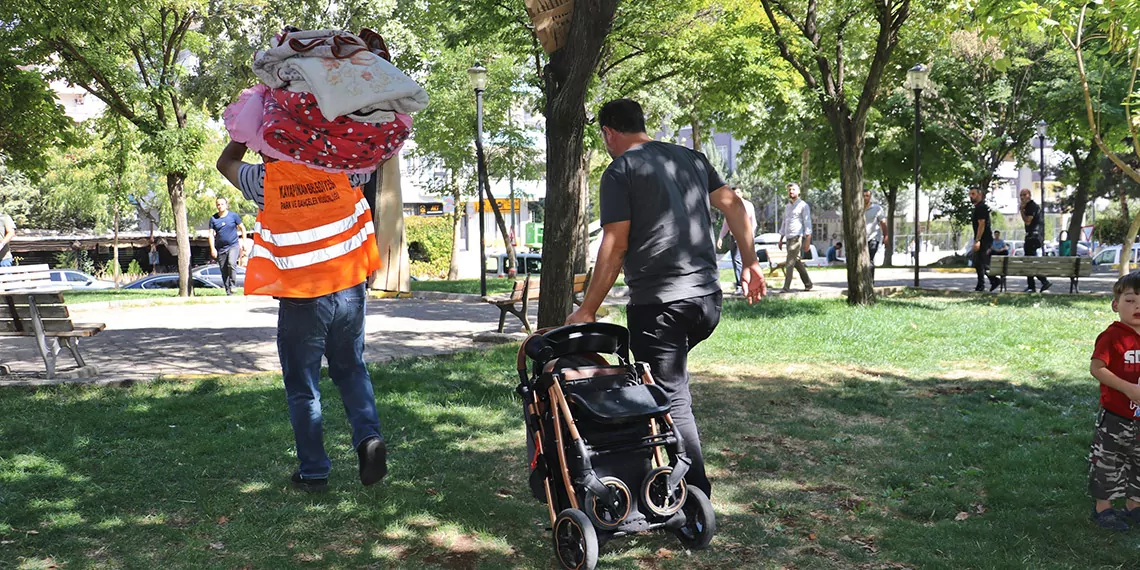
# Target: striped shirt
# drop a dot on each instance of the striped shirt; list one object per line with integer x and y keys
{"x": 251, "y": 182}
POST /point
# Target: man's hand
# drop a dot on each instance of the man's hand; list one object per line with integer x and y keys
{"x": 977, "y": 245}
{"x": 213, "y": 253}
{"x": 752, "y": 281}
{"x": 580, "y": 316}
{"x": 718, "y": 242}
{"x": 780, "y": 244}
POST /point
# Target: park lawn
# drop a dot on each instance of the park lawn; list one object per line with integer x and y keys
{"x": 925, "y": 432}
{"x": 108, "y": 295}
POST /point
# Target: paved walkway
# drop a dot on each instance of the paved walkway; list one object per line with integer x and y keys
{"x": 211, "y": 335}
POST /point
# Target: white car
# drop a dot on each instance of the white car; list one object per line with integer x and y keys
{"x": 1109, "y": 255}
{"x": 73, "y": 279}
{"x": 213, "y": 274}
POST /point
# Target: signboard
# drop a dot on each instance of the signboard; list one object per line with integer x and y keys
{"x": 423, "y": 208}
{"x": 503, "y": 203}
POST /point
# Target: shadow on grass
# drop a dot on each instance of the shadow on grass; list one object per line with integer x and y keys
{"x": 858, "y": 467}
{"x": 848, "y": 468}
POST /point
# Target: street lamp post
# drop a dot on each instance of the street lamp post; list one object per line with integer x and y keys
{"x": 1042, "y": 127}
{"x": 478, "y": 76}
{"x": 917, "y": 79}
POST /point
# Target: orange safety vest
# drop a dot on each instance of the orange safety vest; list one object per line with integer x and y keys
{"x": 314, "y": 237}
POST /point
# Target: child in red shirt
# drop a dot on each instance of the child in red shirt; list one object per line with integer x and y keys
{"x": 1114, "y": 469}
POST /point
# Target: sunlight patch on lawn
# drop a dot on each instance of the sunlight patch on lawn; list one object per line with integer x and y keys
{"x": 254, "y": 487}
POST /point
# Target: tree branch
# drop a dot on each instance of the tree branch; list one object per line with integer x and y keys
{"x": 782, "y": 45}
{"x": 107, "y": 92}
{"x": 889, "y": 24}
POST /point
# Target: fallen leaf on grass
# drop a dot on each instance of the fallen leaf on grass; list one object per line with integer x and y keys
{"x": 664, "y": 553}
{"x": 503, "y": 493}
{"x": 3, "y": 542}
{"x": 812, "y": 536}
{"x": 223, "y": 520}
{"x": 980, "y": 508}
{"x": 432, "y": 492}
{"x": 217, "y": 546}
{"x": 962, "y": 516}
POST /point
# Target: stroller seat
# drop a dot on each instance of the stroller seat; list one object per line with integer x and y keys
{"x": 619, "y": 405}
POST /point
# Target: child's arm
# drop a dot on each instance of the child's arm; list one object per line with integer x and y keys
{"x": 1100, "y": 371}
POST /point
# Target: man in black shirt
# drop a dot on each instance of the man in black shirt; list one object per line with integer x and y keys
{"x": 1034, "y": 234}
{"x": 983, "y": 239}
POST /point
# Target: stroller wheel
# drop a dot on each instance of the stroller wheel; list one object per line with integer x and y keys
{"x": 700, "y": 521}
{"x": 655, "y": 494}
{"x": 575, "y": 541}
{"x": 605, "y": 516}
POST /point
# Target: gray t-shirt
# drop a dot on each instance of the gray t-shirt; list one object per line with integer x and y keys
{"x": 663, "y": 189}
{"x": 6, "y": 224}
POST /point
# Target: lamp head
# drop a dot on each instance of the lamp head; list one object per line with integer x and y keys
{"x": 478, "y": 76}
{"x": 1042, "y": 128}
{"x": 918, "y": 77}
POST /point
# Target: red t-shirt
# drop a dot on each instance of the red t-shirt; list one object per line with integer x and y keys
{"x": 1119, "y": 347}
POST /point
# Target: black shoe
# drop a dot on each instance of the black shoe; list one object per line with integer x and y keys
{"x": 1030, "y": 290}
{"x": 1045, "y": 286}
{"x": 994, "y": 286}
{"x": 1110, "y": 519}
{"x": 372, "y": 454}
{"x": 309, "y": 485}
{"x": 980, "y": 288}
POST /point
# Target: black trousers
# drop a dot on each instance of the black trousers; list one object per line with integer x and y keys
{"x": 982, "y": 263}
{"x": 227, "y": 262}
{"x": 662, "y": 336}
{"x": 1032, "y": 244}
{"x": 872, "y": 249}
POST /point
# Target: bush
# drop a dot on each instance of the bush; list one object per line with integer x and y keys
{"x": 67, "y": 260}
{"x": 133, "y": 268}
{"x": 1110, "y": 228}
{"x": 429, "y": 239}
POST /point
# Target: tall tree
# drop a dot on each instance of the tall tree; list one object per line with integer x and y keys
{"x": 134, "y": 61}
{"x": 806, "y": 36}
{"x": 1092, "y": 29}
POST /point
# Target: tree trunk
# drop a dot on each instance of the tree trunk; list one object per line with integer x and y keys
{"x": 888, "y": 244}
{"x": 696, "y": 126}
{"x": 115, "y": 270}
{"x": 512, "y": 260}
{"x": 849, "y": 138}
{"x": 805, "y": 162}
{"x": 1085, "y": 170}
{"x": 453, "y": 267}
{"x": 567, "y": 77}
{"x": 582, "y": 242}
{"x": 175, "y": 187}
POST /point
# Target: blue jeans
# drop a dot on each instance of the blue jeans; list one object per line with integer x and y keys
{"x": 6, "y": 262}
{"x": 331, "y": 326}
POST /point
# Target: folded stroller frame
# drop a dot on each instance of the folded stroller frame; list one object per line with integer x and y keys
{"x": 594, "y": 431}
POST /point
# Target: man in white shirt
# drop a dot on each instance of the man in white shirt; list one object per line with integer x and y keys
{"x": 796, "y": 229}
{"x": 876, "y": 225}
{"x": 733, "y": 251}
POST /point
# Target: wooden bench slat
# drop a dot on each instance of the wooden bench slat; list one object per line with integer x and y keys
{"x": 25, "y": 312}
{"x": 51, "y": 326}
{"x": 42, "y": 299}
{"x": 79, "y": 330}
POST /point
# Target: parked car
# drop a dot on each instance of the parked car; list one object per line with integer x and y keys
{"x": 1109, "y": 255}
{"x": 528, "y": 263}
{"x": 213, "y": 274}
{"x": 72, "y": 279}
{"x": 167, "y": 281}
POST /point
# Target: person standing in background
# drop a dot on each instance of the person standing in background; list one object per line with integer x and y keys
{"x": 7, "y": 234}
{"x": 796, "y": 229}
{"x": 226, "y": 231}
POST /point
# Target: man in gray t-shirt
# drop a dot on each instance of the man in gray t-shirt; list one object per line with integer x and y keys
{"x": 655, "y": 201}
{"x": 7, "y": 234}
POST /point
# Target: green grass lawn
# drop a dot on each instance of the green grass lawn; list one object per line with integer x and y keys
{"x": 925, "y": 432}
{"x": 106, "y": 295}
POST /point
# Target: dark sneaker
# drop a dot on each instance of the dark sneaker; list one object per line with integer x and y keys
{"x": 309, "y": 485}
{"x": 372, "y": 454}
{"x": 994, "y": 286}
{"x": 1030, "y": 290}
{"x": 980, "y": 288}
{"x": 808, "y": 287}
{"x": 1131, "y": 516}
{"x": 1046, "y": 286}
{"x": 1110, "y": 519}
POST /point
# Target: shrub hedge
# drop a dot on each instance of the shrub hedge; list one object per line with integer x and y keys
{"x": 429, "y": 237}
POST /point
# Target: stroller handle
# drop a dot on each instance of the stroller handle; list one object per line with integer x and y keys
{"x": 549, "y": 344}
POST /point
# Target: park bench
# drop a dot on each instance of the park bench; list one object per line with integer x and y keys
{"x": 1072, "y": 267}
{"x": 773, "y": 257}
{"x": 526, "y": 290}
{"x": 32, "y": 305}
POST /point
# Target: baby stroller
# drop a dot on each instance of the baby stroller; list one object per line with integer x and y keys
{"x": 604, "y": 455}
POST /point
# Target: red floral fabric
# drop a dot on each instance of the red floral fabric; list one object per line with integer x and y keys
{"x": 295, "y": 131}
